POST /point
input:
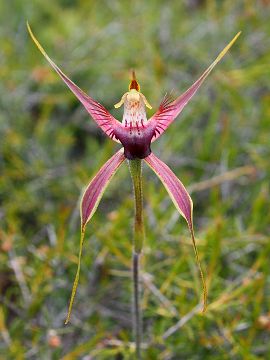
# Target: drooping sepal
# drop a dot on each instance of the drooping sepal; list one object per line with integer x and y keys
{"x": 169, "y": 110}
{"x": 182, "y": 202}
{"x": 94, "y": 191}
{"x": 98, "y": 112}
{"x": 89, "y": 203}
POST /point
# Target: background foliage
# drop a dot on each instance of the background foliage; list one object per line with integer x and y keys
{"x": 50, "y": 148}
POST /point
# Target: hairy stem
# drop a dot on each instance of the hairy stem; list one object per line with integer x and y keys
{"x": 135, "y": 167}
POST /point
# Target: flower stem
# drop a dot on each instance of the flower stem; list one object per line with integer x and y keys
{"x": 135, "y": 167}
{"x": 136, "y": 303}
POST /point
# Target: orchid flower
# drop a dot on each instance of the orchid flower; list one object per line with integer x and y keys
{"x": 135, "y": 133}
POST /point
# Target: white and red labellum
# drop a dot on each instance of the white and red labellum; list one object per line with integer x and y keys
{"x": 135, "y": 134}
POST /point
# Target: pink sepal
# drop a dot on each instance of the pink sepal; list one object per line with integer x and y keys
{"x": 94, "y": 191}
{"x": 182, "y": 202}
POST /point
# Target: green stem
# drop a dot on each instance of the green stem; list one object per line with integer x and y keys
{"x": 135, "y": 167}
{"x": 137, "y": 324}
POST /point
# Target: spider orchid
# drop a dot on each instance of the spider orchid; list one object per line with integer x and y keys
{"x": 136, "y": 133}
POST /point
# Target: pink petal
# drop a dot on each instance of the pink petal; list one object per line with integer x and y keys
{"x": 89, "y": 204}
{"x": 181, "y": 200}
{"x": 97, "y": 186}
{"x": 98, "y": 112}
{"x": 169, "y": 110}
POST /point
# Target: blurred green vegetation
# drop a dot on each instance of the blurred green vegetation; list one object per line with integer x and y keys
{"x": 50, "y": 149}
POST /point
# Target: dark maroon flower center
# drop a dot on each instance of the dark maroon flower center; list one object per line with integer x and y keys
{"x": 135, "y": 140}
